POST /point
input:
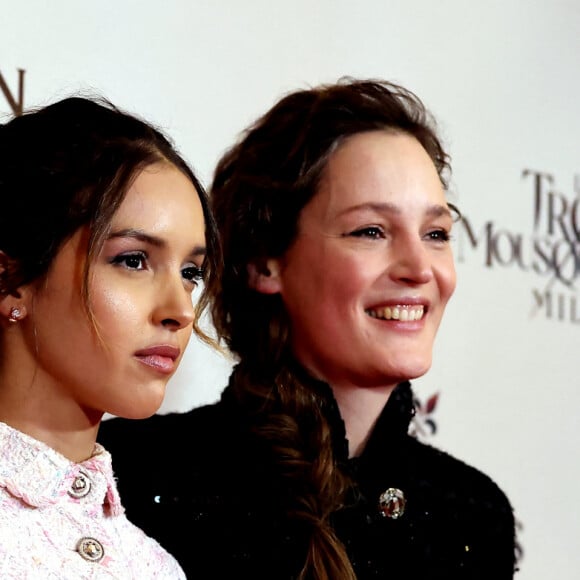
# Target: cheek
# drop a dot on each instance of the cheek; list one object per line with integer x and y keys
{"x": 343, "y": 286}
{"x": 115, "y": 310}
{"x": 447, "y": 280}
{"x": 328, "y": 277}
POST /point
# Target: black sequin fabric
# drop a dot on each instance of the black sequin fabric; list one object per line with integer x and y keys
{"x": 201, "y": 485}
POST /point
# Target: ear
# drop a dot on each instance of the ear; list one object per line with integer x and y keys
{"x": 264, "y": 276}
{"x": 12, "y": 305}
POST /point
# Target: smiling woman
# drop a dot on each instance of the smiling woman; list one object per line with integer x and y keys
{"x": 105, "y": 233}
{"x": 335, "y": 227}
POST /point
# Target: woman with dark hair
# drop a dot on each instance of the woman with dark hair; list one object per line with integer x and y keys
{"x": 336, "y": 230}
{"x": 105, "y": 233}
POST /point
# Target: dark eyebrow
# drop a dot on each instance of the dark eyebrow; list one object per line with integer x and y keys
{"x": 434, "y": 210}
{"x": 149, "y": 239}
{"x": 439, "y": 210}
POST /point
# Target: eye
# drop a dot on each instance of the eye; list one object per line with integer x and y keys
{"x": 131, "y": 261}
{"x": 374, "y": 232}
{"x": 439, "y": 236}
{"x": 192, "y": 273}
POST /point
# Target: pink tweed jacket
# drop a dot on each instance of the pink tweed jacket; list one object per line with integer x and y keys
{"x": 63, "y": 520}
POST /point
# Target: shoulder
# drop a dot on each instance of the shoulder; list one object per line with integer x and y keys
{"x": 461, "y": 506}
{"x": 170, "y": 437}
{"x": 165, "y": 450}
{"x": 458, "y": 479}
{"x": 166, "y": 456}
{"x": 467, "y": 501}
{"x": 152, "y": 556}
{"x": 157, "y": 433}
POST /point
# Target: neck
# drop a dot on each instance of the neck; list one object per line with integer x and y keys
{"x": 67, "y": 433}
{"x": 360, "y": 409}
{"x": 76, "y": 446}
{"x": 35, "y": 404}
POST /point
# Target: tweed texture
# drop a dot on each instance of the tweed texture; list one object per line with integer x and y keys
{"x": 41, "y": 522}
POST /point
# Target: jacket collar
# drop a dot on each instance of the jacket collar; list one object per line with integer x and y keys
{"x": 40, "y": 476}
{"x": 392, "y": 424}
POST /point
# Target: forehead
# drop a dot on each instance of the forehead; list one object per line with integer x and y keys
{"x": 161, "y": 198}
{"x": 379, "y": 167}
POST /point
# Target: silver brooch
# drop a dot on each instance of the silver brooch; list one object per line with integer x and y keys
{"x": 392, "y": 503}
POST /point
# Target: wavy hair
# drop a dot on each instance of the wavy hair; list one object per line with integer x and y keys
{"x": 259, "y": 188}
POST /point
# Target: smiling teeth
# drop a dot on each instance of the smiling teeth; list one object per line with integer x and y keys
{"x": 403, "y": 313}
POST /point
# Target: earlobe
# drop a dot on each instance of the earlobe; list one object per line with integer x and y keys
{"x": 10, "y": 310}
{"x": 264, "y": 277}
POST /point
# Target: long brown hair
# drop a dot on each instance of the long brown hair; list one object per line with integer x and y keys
{"x": 260, "y": 186}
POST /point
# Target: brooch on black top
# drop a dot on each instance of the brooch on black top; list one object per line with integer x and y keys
{"x": 392, "y": 503}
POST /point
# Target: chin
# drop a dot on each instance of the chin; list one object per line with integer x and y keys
{"x": 142, "y": 406}
{"x": 412, "y": 371}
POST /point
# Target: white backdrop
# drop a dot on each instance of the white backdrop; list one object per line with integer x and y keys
{"x": 502, "y": 78}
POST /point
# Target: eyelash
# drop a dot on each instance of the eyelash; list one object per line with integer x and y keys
{"x": 193, "y": 274}
{"x": 196, "y": 274}
{"x": 376, "y": 232}
{"x": 123, "y": 260}
{"x": 440, "y": 235}
{"x": 368, "y": 232}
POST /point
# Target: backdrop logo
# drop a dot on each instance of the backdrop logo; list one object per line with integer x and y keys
{"x": 15, "y": 99}
{"x": 550, "y": 251}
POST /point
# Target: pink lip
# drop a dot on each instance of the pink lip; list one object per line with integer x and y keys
{"x": 161, "y": 358}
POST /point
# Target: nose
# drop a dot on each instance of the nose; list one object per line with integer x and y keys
{"x": 410, "y": 262}
{"x": 174, "y": 305}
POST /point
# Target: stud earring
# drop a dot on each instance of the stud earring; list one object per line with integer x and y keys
{"x": 15, "y": 314}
